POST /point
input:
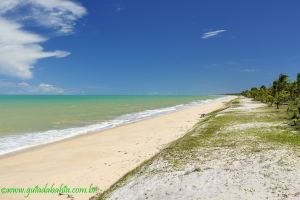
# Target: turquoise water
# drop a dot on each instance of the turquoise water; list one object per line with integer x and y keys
{"x": 38, "y": 118}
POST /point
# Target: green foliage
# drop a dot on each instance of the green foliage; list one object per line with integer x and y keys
{"x": 281, "y": 92}
{"x": 270, "y": 99}
{"x": 281, "y": 98}
{"x": 294, "y": 111}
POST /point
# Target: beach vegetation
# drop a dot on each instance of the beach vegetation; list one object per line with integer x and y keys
{"x": 226, "y": 141}
{"x": 282, "y": 93}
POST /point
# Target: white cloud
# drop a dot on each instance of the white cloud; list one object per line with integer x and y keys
{"x": 49, "y": 89}
{"x": 20, "y": 49}
{"x": 23, "y": 84}
{"x": 26, "y": 88}
{"x": 55, "y": 14}
{"x": 212, "y": 34}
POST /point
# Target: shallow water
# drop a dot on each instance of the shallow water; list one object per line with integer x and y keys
{"x": 27, "y": 121}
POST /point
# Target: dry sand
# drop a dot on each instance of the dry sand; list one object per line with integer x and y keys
{"x": 100, "y": 158}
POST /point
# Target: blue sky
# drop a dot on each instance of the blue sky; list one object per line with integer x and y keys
{"x": 146, "y": 47}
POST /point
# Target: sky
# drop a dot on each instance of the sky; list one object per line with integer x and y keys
{"x": 149, "y": 47}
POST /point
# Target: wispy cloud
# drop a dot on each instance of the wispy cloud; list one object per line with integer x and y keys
{"x": 7, "y": 87}
{"x": 249, "y": 70}
{"x": 21, "y": 49}
{"x": 212, "y": 34}
{"x": 118, "y": 7}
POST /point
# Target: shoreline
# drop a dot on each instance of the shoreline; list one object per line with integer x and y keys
{"x": 28, "y": 149}
{"x": 99, "y": 158}
{"x": 110, "y": 125}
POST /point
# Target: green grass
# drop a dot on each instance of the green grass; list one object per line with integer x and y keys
{"x": 235, "y": 101}
{"x": 285, "y": 137}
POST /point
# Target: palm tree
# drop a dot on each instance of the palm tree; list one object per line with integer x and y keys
{"x": 298, "y": 85}
{"x": 281, "y": 92}
{"x": 280, "y": 87}
{"x": 292, "y": 88}
{"x": 282, "y": 82}
{"x": 274, "y": 88}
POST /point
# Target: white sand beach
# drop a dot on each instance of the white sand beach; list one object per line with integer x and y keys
{"x": 99, "y": 158}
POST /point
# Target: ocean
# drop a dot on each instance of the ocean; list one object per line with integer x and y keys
{"x": 27, "y": 121}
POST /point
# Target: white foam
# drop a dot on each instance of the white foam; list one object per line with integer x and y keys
{"x": 13, "y": 143}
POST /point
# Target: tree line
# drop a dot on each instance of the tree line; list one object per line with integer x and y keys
{"x": 281, "y": 92}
